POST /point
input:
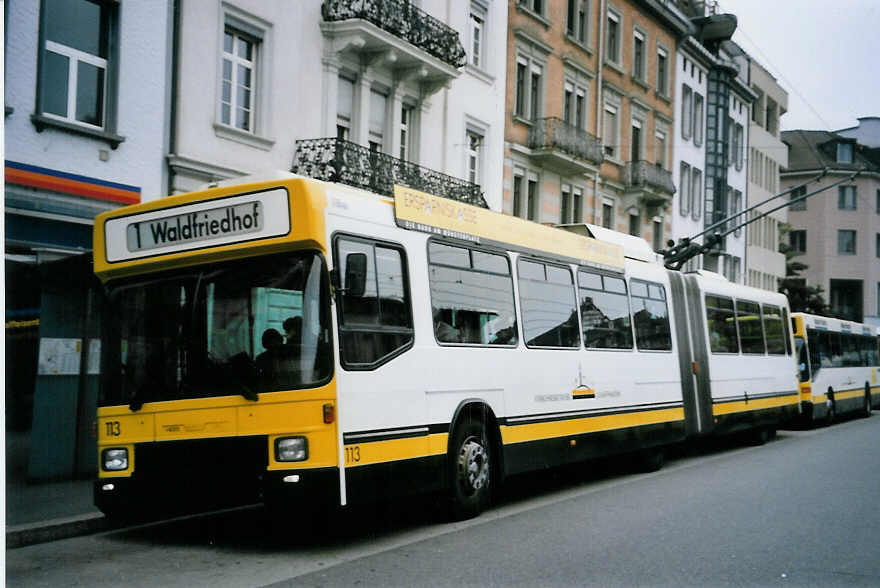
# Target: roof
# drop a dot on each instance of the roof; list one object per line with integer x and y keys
{"x": 810, "y": 150}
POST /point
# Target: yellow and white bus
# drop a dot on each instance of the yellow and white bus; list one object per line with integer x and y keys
{"x": 293, "y": 340}
{"x": 838, "y": 365}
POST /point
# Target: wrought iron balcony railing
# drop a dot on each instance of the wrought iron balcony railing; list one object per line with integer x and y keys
{"x": 644, "y": 174}
{"x": 555, "y": 133}
{"x": 337, "y": 160}
{"x": 402, "y": 19}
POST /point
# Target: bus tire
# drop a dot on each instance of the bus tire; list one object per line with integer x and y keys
{"x": 760, "y": 436}
{"x": 471, "y": 466}
{"x": 867, "y": 408}
{"x": 650, "y": 460}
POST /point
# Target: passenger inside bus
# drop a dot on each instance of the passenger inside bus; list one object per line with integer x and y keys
{"x": 267, "y": 360}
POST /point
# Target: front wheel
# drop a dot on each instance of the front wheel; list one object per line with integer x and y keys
{"x": 471, "y": 471}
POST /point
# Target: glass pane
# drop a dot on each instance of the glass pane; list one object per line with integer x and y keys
{"x": 244, "y": 76}
{"x": 606, "y": 320}
{"x": 227, "y": 92}
{"x": 773, "y": 329}
{"x": 549, "y": 314}
{"x": 638, "y": 289}
{"x": 614, "y": 284}
{"x": 651, "y": 322}
{"x": 529, "y": 270}
{"x": 227, "y": 70}
{"x": 359, "y": 310}
{"x": 489, "y": 262}
{"x": 588, "y": 280}
{"x": 227, "y": 42}
{"x": 559, "y": 275}
{"x": 77, "y": 23}
{"x": 243, "y": 98}
{"x": 393, "y": 305}
{"x": 90, "y": 94}
{"x": 751, "y": 333}
{"x": 242, "y": 119}
{"x": 448, "y": 255}
{"x": 722, "y": 325}
{"x": 53, "y": 86}
{"x": 245, "y": 49}
{"x": 225, "y": 114}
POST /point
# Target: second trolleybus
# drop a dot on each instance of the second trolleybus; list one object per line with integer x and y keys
{"x": 294, "y": 340}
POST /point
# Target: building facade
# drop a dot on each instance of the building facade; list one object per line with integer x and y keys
{"x": 590, "y": 90}
{"x": 837, "y": 231}
{"x": 342, "y": 90}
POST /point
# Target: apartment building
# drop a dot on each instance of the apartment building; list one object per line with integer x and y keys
{"x": 837, "y": 231}
{"x": 369, "y": 94}
{"x": 590, "y": 91}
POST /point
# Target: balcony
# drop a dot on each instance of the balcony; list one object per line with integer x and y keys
{"x": 647, "y": 186}
{"x": 396, "y": 34}
{"x": 336, "y": 160}
{"x": 563, "y": 147}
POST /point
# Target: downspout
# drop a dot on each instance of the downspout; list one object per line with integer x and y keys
{"x": 599, "y": 110}
{"x": 172, "y": 111}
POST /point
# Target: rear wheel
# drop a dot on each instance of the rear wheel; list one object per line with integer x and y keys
{"x": 760, "y": 436}
{"x": 471, "y": 465}
{"x": 650, "y": 460}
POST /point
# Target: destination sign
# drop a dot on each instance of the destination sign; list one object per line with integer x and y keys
{"x": 259, "y": 215}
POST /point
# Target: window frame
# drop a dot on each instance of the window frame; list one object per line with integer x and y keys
{"x": 687, "y": 112}
{"x": 665, "y": 300}
{"x": 699, "y": 114}
{"x": 639, "y": 70}
{"x": 625, "y": 296}
{"x": 847, "y": 197}
{"x": 662, "y": 71}
{"x": 574, "y": 300}
{"x": 42, "y": 120}
{"x": 335, "y": 238}
{"x": 613, "y": 15}
{"x": 477, "y": 24}
{"x": 840, "y": 234}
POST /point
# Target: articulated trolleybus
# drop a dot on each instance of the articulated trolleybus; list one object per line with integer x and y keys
{"x": 838, "y": 364}
{"x": 297, "y": 340}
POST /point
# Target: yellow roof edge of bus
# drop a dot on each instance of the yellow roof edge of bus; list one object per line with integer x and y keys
{"x": 307, "y": 229}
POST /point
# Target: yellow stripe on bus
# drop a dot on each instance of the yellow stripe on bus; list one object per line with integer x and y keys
{"x": 756, "y": 404}
{"x": 361, "y": 454}
{"x": 537, "y": 431}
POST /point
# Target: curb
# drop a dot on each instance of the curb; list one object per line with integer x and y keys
{"x": 45, "y": 531}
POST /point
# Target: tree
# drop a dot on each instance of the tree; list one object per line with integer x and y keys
{"x": 801, "y": 298}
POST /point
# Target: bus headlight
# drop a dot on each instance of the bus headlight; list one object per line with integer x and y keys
{"x": 291, "y": 449}
{"x": 114, "y": 460}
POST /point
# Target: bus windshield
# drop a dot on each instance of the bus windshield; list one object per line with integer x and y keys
{"x": 232, "y": 328}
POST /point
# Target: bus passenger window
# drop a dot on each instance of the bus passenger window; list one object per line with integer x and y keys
{"x": 375, "y": 324}
{"x": 650, "y": 316}
{"x": 721, "y": 321}
{"x": 773, "y": 329}
{"x": 471, "y": 296}
{"x": 548, "y": 305}
{"x": 604, "y": 311}
{"x": 751, "y": 333}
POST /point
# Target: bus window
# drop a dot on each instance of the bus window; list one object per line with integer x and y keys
{"x": 471, "y": 296}
{"x": 787, "y": 334}
{"x": 803, "y": 365}
{"x": 375, "y": 325}
{"x": 215, "y": 330}
{"x": 815, "y": 346}
{"x": 650, "y": 316}
{"x": 751, "y": 333}
{"x": 852, "y": 355}
{"x": 836, "y": 353}
{"x": 773, "y": 328}
{"x": 869, "y": 351}
{"x": 721, "y": 321}
{"x": 604, "y": 311}
{"x": 548, "y": 305}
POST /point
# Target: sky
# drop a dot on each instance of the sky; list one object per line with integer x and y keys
{"x": 824, "y": 53}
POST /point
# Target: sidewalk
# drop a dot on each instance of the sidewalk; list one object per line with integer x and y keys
{"x": 44, "y": 511}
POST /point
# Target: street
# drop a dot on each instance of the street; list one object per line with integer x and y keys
{"x": 798, "y": 511}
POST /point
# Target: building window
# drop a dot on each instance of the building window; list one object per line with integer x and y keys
{"x": 737, "y": 207}
{"x": 662, "y": 71}
{"x": 638, "y": 66}
{"x": 529, "y": 88}
{"x": 798, "y": 240}
{"x": 770, "y": 118}
{"x": 877, "y": 245}
{"x": 608, "y": 215}
{"x": 877, "y": 201}
{"x": 574, "y": 105}
{"x": 477, "y": 32}
{"x": 612, "y": 39}
{"x": 844, "y": 153}
{"x": 518, "y": 194}
{"x": 610, "y": 132}
{"x": 687, "y": 112}
{"x": 344, "y": 108}
{"x": 846, "y": 242}
{"x": 697, "y": 196}
{"x": 846, "y": 197}
{"x": 532, "y": 194}
{"x": 684, "y": 189}
{"x": 635, "y": 224}
{"x": 738, "y": 146}
{"x": 536, "y": 6}
{"x": 239, "y": 80}
{"x": 76, "y": 65}
{"x": 474, "y": 157}
{"x": 565, "y": 213}
{"x": 406, "y": 114}
{"x": 577, "y": 205}
{"x": 576, "y": 21}
{"x": 525, "y": 194}
{"x": 378, "y": 107}
{"x": 660, "y": 148}
{"x": 635, "y": 142}
{"x": 698, "y": 120}
{"x": 795, "y": 194}
{"x": 658, "y": 234}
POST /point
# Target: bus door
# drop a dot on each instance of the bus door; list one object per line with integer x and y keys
{"x": 693, "y": 356}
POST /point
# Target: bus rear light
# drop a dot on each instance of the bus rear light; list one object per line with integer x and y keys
{"x": 329, "y": 414}
{"x": 291, "y": 449}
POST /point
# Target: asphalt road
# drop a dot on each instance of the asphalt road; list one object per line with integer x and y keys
{"x": 801, "y": 510}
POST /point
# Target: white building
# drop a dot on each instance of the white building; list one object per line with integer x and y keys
{"x": 342, "y": 90}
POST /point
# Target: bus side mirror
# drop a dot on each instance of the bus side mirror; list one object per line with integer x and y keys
{"x": 355, "y": 274}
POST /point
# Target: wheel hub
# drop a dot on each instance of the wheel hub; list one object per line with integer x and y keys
{"x": 473, "y": 465}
